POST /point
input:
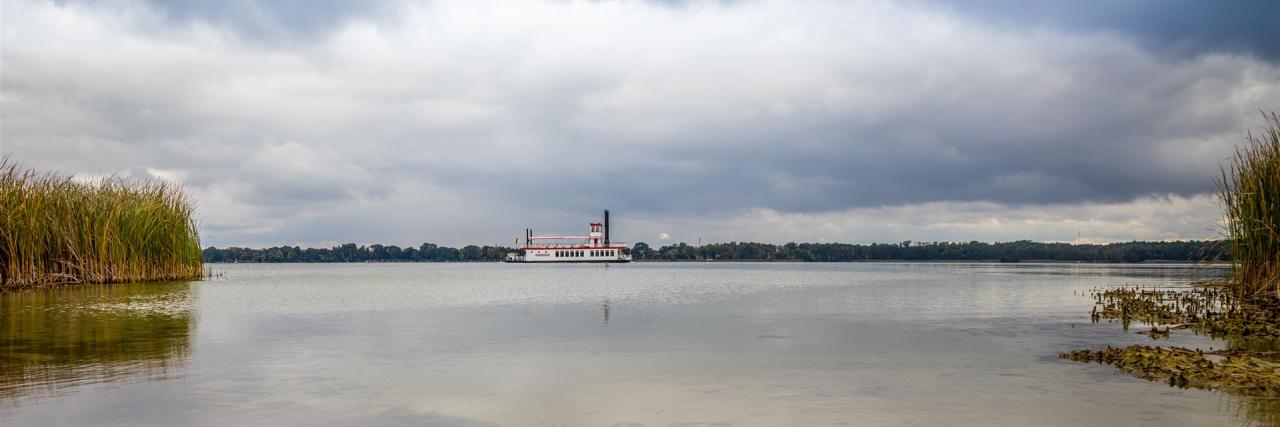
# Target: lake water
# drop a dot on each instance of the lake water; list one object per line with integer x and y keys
{"x": 652, "y": 344}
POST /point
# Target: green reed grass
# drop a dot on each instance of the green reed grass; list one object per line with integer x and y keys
{"x": 1249, "y": 191}
{"x": 54, "y": 230}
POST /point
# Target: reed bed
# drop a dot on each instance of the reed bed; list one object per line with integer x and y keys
{"x": 1249, "y": 191}
{"x": 57, "y": 230}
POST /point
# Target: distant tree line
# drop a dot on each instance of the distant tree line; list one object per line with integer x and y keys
{"x": 749, "y": 251}
{"x": 1022, "y": 250}
{"x": 350, "y": 252}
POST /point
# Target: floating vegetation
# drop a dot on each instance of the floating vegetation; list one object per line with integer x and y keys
{"x": 1238, "y": 372}
{"x": 1249, "y": 191}
{"x": 1156, "y": 333}
{"x": 1211, "y": 309}
{"x": 55, "y": 230}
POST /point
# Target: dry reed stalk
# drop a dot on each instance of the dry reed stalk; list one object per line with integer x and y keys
{"x": 1249, "y": 191}
{"x": 54, "y": 230}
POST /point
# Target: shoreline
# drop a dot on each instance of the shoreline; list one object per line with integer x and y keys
{"x": 1215, "y": 264}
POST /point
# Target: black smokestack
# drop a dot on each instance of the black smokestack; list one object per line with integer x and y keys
{"x": 606, "y": 227}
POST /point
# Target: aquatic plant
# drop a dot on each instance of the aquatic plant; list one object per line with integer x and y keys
{"x": 1211, "y": 308}
{"x": 1249, "y": 191}
{"x": 1239, "y": 372}
{"x": 55, "y": 229}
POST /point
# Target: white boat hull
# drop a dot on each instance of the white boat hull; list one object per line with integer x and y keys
{"x": 614, "y": 254}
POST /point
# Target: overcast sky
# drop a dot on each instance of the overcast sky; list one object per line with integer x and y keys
{"x": 321, "y": 122}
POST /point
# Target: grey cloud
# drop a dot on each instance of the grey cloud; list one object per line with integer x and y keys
{"x": 1153, "y": 218}
{"x": 1105, "y": 139}
{"x": 271, "y": 22}
{"x": 1178, "y": 27}
{"x": 460, "y": 119}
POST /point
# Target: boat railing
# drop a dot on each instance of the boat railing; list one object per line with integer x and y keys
{"x": 614, "y": 245}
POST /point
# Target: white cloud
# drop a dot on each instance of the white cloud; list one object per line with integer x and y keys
{"x": 460, "y": 122}
{"x": 1167, "y": 217}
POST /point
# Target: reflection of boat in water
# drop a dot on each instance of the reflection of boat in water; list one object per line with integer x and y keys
{"x": 595, "y": 247}
{"x": 54, "y": 341}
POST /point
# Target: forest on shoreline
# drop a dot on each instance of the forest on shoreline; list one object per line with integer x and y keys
{"x": 1126, "y": 252}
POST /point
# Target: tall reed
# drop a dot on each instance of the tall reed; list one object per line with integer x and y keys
{"x": 1249, "y": 191}
{"x": 54, "y": 229}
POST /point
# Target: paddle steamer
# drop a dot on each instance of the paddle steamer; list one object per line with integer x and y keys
{"x": 594, "y": 247}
